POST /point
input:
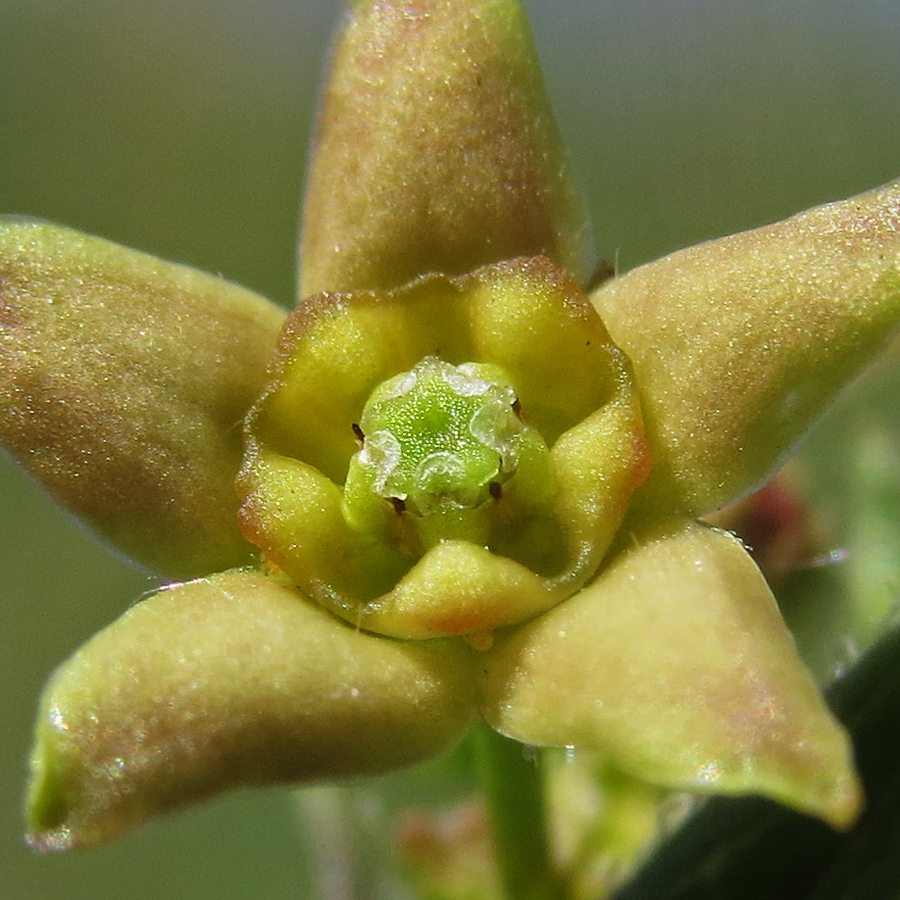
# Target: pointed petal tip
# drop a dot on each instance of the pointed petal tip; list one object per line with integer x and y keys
{"x": 54, "y": 841}
{"x": 833, "y": 795}
{"x": 50, "y": 806}
{"x": 842, "y": 806}
{"x": 46, "y": 819}
{"x": 47, "y": 808}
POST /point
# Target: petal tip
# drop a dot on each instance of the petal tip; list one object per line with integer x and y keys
{"x": 53, "y": 841}
{"x": 824, "y": 785}
{"x": 842, "y": 806}
{"x": 48, "y": 808}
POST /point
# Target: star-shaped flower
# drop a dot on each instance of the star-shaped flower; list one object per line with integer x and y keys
{"x": 474, "y": 489}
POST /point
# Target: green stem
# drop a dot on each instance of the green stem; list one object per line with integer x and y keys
{"x": 513, "y": 789}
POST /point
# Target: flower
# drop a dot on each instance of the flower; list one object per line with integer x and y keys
{"x": 124, "y": 379}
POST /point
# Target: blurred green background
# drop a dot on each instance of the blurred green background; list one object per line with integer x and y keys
{"x": 181, "y": 129}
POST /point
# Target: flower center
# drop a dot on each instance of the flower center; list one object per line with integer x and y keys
{"x": 439, "y": 435}
{"x": 455, "y": 511}
{"x": 438, "y": 444}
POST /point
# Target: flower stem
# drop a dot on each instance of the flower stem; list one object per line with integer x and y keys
{"x": 513, "y": 789}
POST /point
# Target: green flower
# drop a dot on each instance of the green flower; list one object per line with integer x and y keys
{"x": 500, "y": 440}
{"x": 464, "y": 489}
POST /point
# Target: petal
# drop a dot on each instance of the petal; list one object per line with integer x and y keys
{"x": 676, "y": 662}
{"x": 227, "y": 681}
{"x": 436, "y": 151}
{"x": 295, "y": 515}
{"x": 123, "y": 382}
{"x": 526, "y": 315}
{"x": 738, "y": 343}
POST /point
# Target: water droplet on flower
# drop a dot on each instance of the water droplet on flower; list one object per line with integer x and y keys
{"x": 709, "y": 773}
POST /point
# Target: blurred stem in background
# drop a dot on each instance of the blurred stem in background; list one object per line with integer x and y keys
{"x": 513, "y": 786}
